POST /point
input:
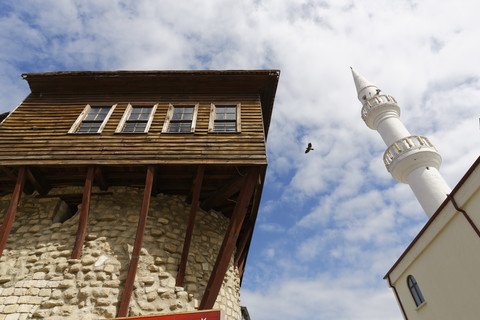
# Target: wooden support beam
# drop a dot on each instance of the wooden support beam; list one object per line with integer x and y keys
{"x": 197, "y": 186}
{"x": 155, "y": 185}
{"x": 100, "y": 179}
{"x": 222, "y": 193}
{"x": 229, "y": 241}
{"x": 38, "y": 181}
{"x": 241, "y": 269}
{"x": 132, "y": 270}
{"x": 247, "y": 236}
{"x": 83, "y": 221}
{"x": 12, "y": 209}
{"x": 243, "y": 244}
{"x": 9, "y": 173}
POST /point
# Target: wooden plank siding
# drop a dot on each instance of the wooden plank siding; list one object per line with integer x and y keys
{"x": 36, "y": 133}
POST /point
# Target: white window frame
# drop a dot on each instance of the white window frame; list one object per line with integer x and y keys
{"x": 211, "y": 122}
{"x": 126, "y": 115}
{"x": 168, "y": 117}
{"x": 83, "y": 115}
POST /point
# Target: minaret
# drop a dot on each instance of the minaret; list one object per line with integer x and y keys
{"x": 410, "y": 159}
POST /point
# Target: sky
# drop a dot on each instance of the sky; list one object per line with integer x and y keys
{"x": 332, "y": 222}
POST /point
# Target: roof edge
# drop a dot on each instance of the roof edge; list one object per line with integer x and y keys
{"x": 120, "y": 73}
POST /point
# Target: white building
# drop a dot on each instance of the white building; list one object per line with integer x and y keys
{"x": 437, "y": 276}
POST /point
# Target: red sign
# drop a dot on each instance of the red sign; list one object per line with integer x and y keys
{"x": 196, "y": 315}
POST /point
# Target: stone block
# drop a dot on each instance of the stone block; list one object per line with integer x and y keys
{"x": 35, "y": 229}
{"x": 7, "y": 292}
{"x": 146, "y": 306}
{"x": 67, "y": 310}
{"x": 100, "y": 292}
{"x": 151, "y": 296}
{"x": 102, "y": 276}
{"x": 90, "y": 276}
{"x": 42, "y": 313}
{"x": 109, "y": 268}
{"x": 11, "y": 308}
{"x": 56, "y": 294}
{"x": 112, "y": 283}
{"x": 70, "y": 293}
{"x": 88, "y": 260}
{"x": 75, "y": 268}
{"x": 84, "y": 292}
{"x": 38, "y": 276}
{"x": 66, "y": 284}
{"x": 20, "y": 291}
{"x": 33, "y": 291}
{"x": 11, "y": 300}
{"x": 26, "y": 308}
{"x": 14, "y": 316}
{"x": 51, "y": 303}
{"x": 103, "y": 302}
{"x": 163, "y": 220}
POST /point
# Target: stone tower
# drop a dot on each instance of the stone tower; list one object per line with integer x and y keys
{"x": 131, "y": 193}
{"x": 411, "y": 159}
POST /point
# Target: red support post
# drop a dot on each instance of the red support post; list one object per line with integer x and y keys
{"x": 229, "y": 241}
{"x": 12, "y": 209}
{"x": 83, "y": 221}
{"x": 132, "y": 270}
{"x": 191, "y": 222}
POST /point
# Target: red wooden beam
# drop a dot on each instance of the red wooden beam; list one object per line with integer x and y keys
{"x": 83, "y": 221}
{"x": 132, "y": 270}
{"x": 197, "y": 186}
{"x": 12, "y": 209}
{"x": 229, "y": 241}
{"x": 242, "y": 247}
{"x": 243, "y": 243}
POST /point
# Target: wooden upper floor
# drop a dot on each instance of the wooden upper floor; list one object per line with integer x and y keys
{"x": 141, "y": 117}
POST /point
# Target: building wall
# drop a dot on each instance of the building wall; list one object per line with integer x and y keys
{"x": 43, "y": 123}
{"x": 445, "y": 261}
{"x": 39, "y": 280}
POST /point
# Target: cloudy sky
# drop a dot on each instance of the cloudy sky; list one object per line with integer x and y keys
{"x": 332, "y": 222}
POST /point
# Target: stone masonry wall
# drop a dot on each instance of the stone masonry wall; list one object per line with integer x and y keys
{"x": 38, "y": 280}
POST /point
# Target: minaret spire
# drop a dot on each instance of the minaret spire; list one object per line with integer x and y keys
{"x": 409, "y": 158}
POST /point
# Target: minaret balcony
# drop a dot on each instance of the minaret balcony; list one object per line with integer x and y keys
{"x": 409, "y": 153}
{"x": 377, "y": 105}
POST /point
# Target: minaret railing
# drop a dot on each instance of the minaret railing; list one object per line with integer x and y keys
{"x": 404, "y": 145}
{"x": 375, "y": 102}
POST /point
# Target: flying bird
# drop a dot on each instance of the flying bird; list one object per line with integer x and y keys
{"x": 309, "y": 147}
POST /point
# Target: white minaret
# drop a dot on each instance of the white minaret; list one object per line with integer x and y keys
{"x": 410, "y": 159}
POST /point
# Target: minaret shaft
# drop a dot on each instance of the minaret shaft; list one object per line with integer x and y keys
{"x": 392, "y": 129}
{"x": 410, "y": 159}
{"x": 429, "y": 188}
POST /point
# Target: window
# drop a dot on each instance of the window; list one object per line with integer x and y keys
{"x": 92, "y": 119}
{"x": 136, "y": 119}
{"x": 415, "y": 291}
{"x": 181, "y": 118}
{"x": 224, "y": 118}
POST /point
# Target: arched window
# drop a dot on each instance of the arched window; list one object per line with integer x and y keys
{"x": 415, "y": 290}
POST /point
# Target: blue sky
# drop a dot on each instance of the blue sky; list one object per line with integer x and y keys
{"x": 332, "y": 222}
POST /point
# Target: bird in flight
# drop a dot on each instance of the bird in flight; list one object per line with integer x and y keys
{"x": 309, "y": 147}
